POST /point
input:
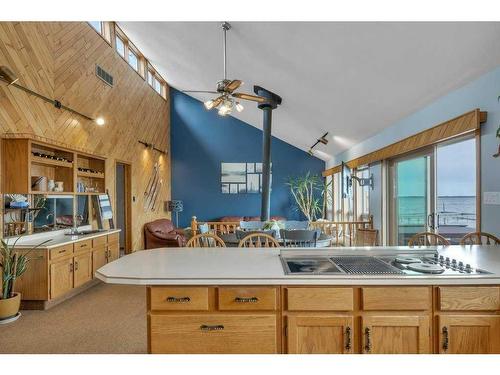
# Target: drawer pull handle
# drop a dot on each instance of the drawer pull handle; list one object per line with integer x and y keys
{"x": 368, "y": 343}
{"x": 246, "y": 299}
{"x": 446, "y": 339}
{"x": 218, "y": 327}
{"x": 178, "y": 299}
{"x": 348, "y": 338}
{"x": 84, "y": 245}
{"x": 62, "y": 251}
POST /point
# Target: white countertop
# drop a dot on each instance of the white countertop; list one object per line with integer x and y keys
{"x": 234, "y": 266}
{"x": 55, "y": 238}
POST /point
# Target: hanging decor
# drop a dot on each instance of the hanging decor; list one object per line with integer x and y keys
{"x": 152, "y": 189}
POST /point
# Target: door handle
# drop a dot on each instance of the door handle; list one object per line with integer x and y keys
{"x": 348, "y": 338}
{"x": 368, "y": 342}
{"x": 218, "y": 327}
{"x": 446, "y": 338}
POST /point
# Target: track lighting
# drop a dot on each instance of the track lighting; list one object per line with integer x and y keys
{"x": 322, "y": 140}
{"x": 152, "y": 147}
{"x": 7, "y": 75}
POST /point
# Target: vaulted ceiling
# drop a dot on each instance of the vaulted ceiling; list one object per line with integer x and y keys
{"x": 349, "y": 79}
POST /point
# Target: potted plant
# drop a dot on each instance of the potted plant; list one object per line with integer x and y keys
{"x": 12, "y": 266}
{"x": 310, "y": 193}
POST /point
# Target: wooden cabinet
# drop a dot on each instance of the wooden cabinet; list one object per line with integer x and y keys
{"x": 99, "y": 258}
{"x": 180, "y": 298}
{"x": 61, "y": 277}
{"x": 309, "y": 334}
{"x": 113, "y": 251}
{"x": 213, "y": 333}
{"x": 82, "y": 265}
{"x": 469, "y": 334}
{"x": 319, "y": 299}
{"x": 247, "y": 299}
{"x": 396, "y": 334}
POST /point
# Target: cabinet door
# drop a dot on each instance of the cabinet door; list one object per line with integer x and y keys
{"x": 99, "y": 258}
{"x": 396, "y": 334}
{"x": 113, "y": 251}
{"x": 82, "y": 269}
{"x": 61, "y": 277}
{"x": 469, "y": 334}
{"x": 308, "y": 334}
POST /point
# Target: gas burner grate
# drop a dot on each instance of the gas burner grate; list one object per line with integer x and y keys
{"x": 363, "y": 265}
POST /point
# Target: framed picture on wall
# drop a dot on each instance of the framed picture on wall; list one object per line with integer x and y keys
{"x": 241, "y": 178}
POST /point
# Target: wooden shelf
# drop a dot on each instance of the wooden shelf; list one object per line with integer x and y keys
{"x": 51, "y": 192}
{"x": 90, "y": 174}
{"x": 51, "y": 162}
{"x": 89, "y": 193}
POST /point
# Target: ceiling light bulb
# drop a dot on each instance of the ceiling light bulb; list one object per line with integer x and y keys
{"x": 100, "y": 121}
{"x": 239, "y": 107}
{"x": 224, "y": 110}
{"x": 209, "y": 104}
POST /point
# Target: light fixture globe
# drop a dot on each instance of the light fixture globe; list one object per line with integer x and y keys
{"x": 209, "y": 104}
{"x": 100, "y": 121}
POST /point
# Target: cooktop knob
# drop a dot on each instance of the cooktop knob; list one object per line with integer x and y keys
{"x": 461, "y": 265}
{"x": 436, "y": 256}
{"x": 468, "y": 268}
{"x": 441, "y": 258}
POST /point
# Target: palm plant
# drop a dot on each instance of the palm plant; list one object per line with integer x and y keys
{"x": 310, "y": 193}
{"x": 12, "y": 265}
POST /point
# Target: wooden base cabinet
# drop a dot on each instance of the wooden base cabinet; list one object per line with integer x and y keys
{"x": 396, "y": 334}
{"x": 82, "y": 269}
{"x": 213, "y": 333}
{"x": 61, "y": 277}
{"x": 469, "y": 334}
{"x": 310, "y": 334}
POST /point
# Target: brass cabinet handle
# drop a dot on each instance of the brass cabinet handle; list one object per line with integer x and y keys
{"x": 62, "y": 251}
{"x": 83, "y": 245}
{"x": 246, "y": 299}
{"x": 218, "y": 327}
{"x": 446, "y": 338}
{"x": 76, "y": 266}
{"x": 348, "y": 338}
{"x": 178, "y": 299}
{"x": 368, "y": 343}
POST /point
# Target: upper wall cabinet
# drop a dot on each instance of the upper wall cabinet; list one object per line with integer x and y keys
{"x": 33, "y": 167}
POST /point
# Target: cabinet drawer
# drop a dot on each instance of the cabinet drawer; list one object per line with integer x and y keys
{"x": 320, "y": 299}
{"x": 258, "y": 298}
{"x": 473, "y": 298}
{"x": 82, "y": 246}
{"x": 61, "y": 251}
{"x": 221, "y": 333}
{"x": 178, "y": 299}
{"x": 113, "y": 237}
{"x": 99, "y": 241}
{"x": 399, "y": 298}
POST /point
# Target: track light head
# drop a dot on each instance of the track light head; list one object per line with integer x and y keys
{"x": 323, "y": 139}
{"x": 7, "y": 75}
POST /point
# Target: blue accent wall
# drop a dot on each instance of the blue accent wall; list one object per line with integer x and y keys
{"x": 202, "y": 139}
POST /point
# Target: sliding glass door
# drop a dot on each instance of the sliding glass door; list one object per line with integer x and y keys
{"x": 411, "y": 195}
{"x": 433, "y": 190}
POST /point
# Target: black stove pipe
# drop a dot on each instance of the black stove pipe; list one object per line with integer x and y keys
{"x": 267, "y": 107}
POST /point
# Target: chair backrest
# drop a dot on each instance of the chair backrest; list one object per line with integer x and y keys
{"x": 251, "y": 225}
{"x": 205, "y": 240}
{"x": 366, "y": 237}
{"x": 428, "y": 239}
{"x": 296, "y": 224}
{"x": 258, "y": 240}
{"x": 479, "y": 238}
{"x": 240, "y": 234}
{"x": 299, "y": 237}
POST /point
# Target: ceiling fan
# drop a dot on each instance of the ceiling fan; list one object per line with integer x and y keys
{"x": 227, "y": 99}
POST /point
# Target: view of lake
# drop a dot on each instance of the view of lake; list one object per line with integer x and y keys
{"x": 456, "y": 210}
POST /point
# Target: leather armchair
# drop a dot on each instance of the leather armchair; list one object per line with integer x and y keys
{"x": 162, "y": 233}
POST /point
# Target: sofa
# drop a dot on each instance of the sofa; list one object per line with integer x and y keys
{"x": 162, "y": 233}
{"x": 226, "y": 219}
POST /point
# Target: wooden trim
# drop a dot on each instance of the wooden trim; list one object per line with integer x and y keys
{"x": 478, "y": 178}
{"x": 461, "y": 125}
{"x": 127, "y": 168}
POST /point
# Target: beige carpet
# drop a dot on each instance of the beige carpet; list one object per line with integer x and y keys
{"x": 104, "y": 319}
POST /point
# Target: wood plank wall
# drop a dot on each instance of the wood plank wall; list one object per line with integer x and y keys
{"x": 57, "y": 59}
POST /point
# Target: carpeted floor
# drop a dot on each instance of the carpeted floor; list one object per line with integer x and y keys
{"x": 104, "y": 319}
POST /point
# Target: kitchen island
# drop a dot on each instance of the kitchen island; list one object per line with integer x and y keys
{"x": 247, "y": 301}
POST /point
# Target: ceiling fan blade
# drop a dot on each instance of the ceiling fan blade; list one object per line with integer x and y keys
{"x": 217, "y": 101}
{"x": 254, "y": 98}
{"x": 201, "y": 91}
{"x": 233, "y": 85}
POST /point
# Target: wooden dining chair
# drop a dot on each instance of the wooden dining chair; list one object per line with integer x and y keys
{"x": 258, "y": 240}
{"x": 205, "y": 240}
{"x": 366, "y": 237}
{"x": 479, "y": 238}
{"x": 428, "y": 239}
{"x": 299, "y": 237}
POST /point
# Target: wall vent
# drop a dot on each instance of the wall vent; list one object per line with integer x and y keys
{"x": 104, "y": 75}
